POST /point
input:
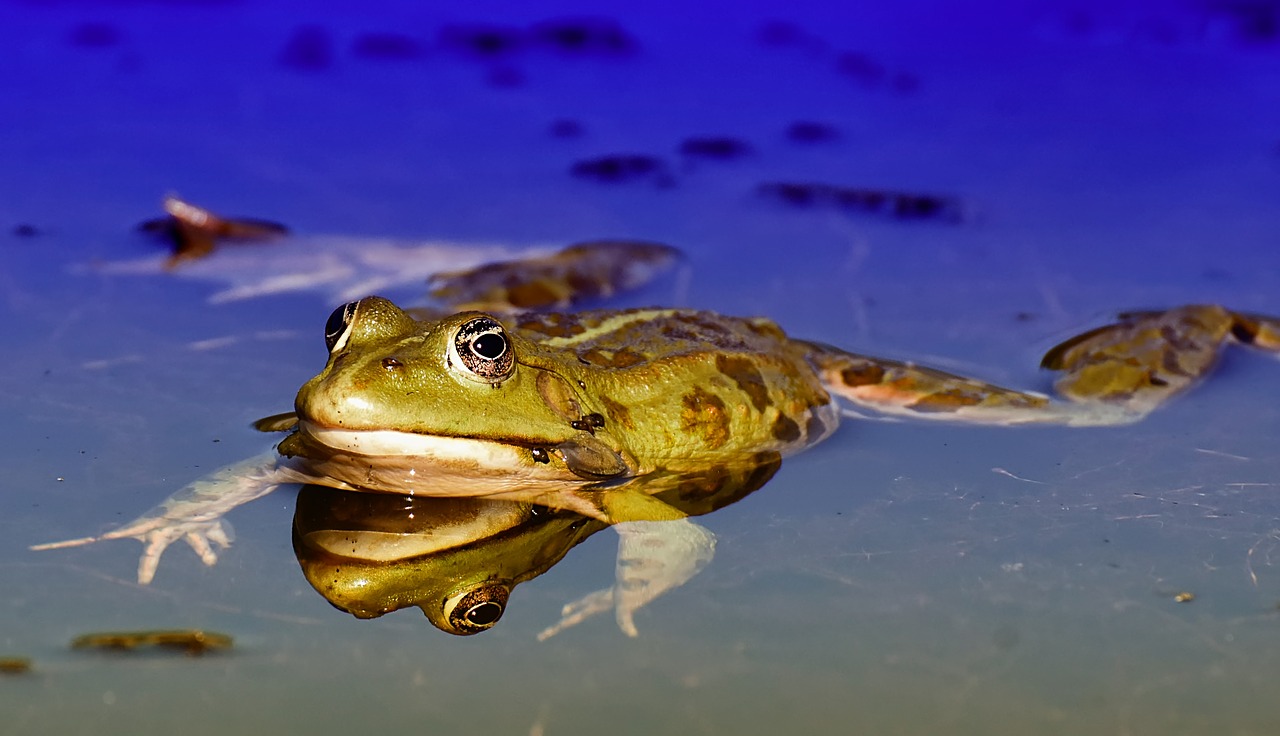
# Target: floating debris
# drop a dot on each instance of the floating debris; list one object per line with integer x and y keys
{"x": 566, "y": 128}
{"x": 382, "y": 46}
{"x": 482, "y": 40}
{"x": 94, "y": 35}
{"x": 309, "y": 49}
{"x": 1184, "y": 597}
{"x": 901, "y": 205}
{"x": 193, "y": 642}
{"x": 193, "y": 231}
{"x": 26, "y": 230}
{"x": 807, "y": 131}
{"x": 625, "y": 167}
{"x": 15, "y": 665}
{"x": 580, "y": 37}
{"x": 585, "y": 37}
{"x": 721, "y": 148}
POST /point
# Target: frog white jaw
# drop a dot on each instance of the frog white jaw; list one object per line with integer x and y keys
{"x": 431, "y": 465}
{"x": 432, "y": 448}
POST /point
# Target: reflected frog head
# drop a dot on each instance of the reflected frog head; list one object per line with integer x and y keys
{"x": 458, "y": 559}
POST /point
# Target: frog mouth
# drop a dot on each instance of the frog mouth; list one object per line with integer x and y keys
{"x": 439, "y": 448}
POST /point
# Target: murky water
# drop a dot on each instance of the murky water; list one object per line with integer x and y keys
{"x": 897, "y": 579}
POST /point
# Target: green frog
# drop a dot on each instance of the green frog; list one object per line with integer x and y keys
{"x": 512, "y": 395}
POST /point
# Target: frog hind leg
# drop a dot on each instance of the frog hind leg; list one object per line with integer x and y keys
{"x": 1145, "y": 358}
{"x": 1257, "y": 330}
{"x": 899, "y": 389}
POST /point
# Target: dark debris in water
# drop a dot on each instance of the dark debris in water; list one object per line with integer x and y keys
{"x": 194, "y": 232}
{"x": 720, "y": 148}
{"x": 808, "y": 131}
{"x": 193, "y": 642}
{"x": 386, "y": 46}
{"x": 566, "y": 128}
{"x": 309, "y": 49}
{"x": 1254, "y": 22}
{"x": 94, "y": 35}
{"x": 483, "y": 41}
{"x": 896, "y": 204}
{"x": 598, "y": 37}
{"x": 578, "y": 37}
{"x": 15, "y": 665}
{"x": 26, "y": 230}
{"x": 621, "y": 168}
{"x": 872, "y": 73}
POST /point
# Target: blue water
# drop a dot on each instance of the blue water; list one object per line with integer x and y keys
{"x": 897, "y": 579}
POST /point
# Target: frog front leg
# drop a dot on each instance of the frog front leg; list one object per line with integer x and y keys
{"x": 195, "y": 512}
{"x": 653, "y": 558}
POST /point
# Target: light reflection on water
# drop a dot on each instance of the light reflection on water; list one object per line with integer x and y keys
{"x": 892, "y": 580}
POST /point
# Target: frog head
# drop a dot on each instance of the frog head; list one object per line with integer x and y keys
{"x": 449, "y": 397}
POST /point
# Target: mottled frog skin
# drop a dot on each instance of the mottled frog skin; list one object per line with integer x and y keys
{"x": 597, "y": 411}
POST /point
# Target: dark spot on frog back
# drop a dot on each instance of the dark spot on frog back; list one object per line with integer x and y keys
{"x": 743, "y": 372}
{"x": 618, "y": 413}
{"x": 785, "y": 429}
{"x": 552, "y": 324}
{"x": 622, "y": 358}
{"x": 704, "y": 415}
{"x": 862, "y": 374}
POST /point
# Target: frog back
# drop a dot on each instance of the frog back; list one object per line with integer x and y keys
{"x": 682, "y": 386}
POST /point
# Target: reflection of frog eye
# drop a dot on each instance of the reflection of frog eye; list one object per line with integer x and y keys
{"x": 476, "y": 610}
{"x": 482, "y": 347}
{"x": 338, "y": 328}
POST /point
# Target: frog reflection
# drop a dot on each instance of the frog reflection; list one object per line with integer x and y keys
{"x": 459, "y": 559}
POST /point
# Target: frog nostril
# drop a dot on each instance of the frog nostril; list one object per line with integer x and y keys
{"x": 392, "y": 364}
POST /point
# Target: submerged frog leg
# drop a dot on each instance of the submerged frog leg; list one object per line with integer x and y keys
{"x": 1146, "y": 358}
{"x": 653, "y": 558}
{"x": 1113, "y": 374}
{"x": 195, "y": 513}
{"x": 1257, "y": 330}
{"x": 595, "y": 269}
{"x": 902, "y": 389}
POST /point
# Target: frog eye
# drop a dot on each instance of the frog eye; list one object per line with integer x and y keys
{"x": 481, "y": 345}
{"x": 338, "y": 328}
{"x": 476, "y": 610}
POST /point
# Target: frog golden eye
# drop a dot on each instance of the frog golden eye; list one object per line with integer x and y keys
{"x": 338, "y": 328}
{"x": 482, "y": 347}
{"x": 477, "y": 609}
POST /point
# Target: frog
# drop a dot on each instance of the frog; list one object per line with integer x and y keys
{"x": 511, "y": 392}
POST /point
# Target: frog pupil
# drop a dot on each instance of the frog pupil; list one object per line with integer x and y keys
{"x": 489, "y": 346}
{"x": 337, "y": 324}
{"x": 484, "y": 614}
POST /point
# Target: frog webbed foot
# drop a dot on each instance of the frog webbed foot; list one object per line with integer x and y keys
{"x": 195, "y": 513}
{"x": 156, "y": 534}
{"x": 1146, "y": 358}
{"x": 653, "y": 558}
{"x": 197, "y": 535}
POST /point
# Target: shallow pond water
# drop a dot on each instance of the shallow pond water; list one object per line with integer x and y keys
{"x": 897, "y": 579}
